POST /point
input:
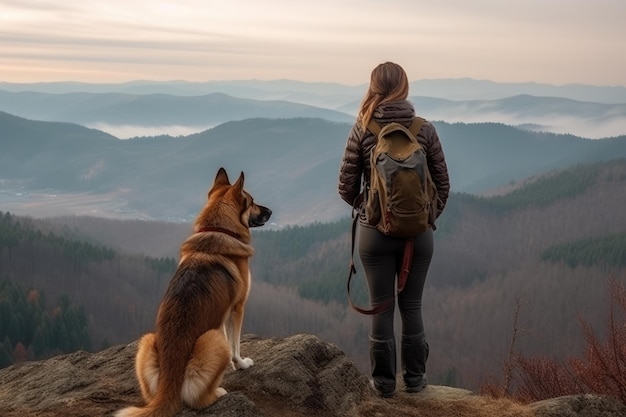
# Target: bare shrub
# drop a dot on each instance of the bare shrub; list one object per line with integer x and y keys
{"x": 601, "y": 370}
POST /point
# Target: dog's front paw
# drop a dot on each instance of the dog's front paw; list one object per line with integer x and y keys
{"x": 242, "y": 363}
{"x": 219, "y": 392}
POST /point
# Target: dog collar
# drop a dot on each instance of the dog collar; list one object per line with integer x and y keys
{"x": 220, "y": 230}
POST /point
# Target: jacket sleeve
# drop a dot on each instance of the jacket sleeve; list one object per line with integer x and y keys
{"x": 351, "y": 168}
{"x": 438, "y": 169}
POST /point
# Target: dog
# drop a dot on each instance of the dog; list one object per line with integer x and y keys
{"x": 199, "y": 320}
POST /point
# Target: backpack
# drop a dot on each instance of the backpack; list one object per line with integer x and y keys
{"x": 402, "y": 197}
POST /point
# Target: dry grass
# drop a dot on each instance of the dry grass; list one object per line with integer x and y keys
{"x": 437, "y": 401}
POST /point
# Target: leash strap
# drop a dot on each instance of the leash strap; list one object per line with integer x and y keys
{"x": 374, "y": 310}
{"x": 407, "y": 258}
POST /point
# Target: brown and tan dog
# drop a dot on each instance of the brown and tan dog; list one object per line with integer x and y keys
{"x": 198, "y": 324}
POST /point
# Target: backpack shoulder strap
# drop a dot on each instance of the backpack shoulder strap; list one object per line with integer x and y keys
{"x": 416, "y": 125}
{"x": 374, "y": 127}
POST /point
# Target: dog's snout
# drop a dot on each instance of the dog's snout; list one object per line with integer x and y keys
{"x": 261, "y": 217}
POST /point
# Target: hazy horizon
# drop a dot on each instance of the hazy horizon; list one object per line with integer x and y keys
{"x": 558, "y": 42}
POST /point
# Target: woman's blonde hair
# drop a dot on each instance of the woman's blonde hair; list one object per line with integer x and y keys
{"x": 388, "y": 82}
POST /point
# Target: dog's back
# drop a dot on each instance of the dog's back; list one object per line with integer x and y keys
{"x": 196, "y": 301}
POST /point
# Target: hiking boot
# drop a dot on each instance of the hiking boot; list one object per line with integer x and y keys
{"x": 417, "y": 387}
{"x": 414, "y": 355}
{"x": 383, "y": 365}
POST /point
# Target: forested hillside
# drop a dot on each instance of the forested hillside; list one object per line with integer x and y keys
{"x": 31, "y": 329}
{"x": 551, "y": 244}
{"x": 59, "y": 294}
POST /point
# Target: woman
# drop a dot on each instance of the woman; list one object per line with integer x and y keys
{"x": 381, "y": 255}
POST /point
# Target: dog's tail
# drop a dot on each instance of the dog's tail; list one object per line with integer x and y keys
{"x": 153, "y": 409}
{"x": 174, "y": 349}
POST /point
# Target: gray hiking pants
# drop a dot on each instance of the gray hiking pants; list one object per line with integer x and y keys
{"x": 381, "y": 257}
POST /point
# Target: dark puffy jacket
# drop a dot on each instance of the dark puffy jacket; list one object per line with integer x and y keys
{"x": 355, "y": 166}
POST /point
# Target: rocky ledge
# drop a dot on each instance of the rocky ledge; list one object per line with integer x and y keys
{"x": 293, "y": 377}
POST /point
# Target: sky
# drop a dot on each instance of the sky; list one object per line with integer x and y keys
{"x": 546, "y": 41}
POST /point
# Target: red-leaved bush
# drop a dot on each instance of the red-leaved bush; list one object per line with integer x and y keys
{"x": 601, "y": 370}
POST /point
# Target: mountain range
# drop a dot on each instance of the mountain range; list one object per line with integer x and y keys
{"x": 154, "y": 109}
{"x": 452, "y": 89}
{"x": 291, "y": 164}
{"x": 181, "y": 108}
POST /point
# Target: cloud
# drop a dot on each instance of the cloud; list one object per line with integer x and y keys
{"x": 95, "y": 40}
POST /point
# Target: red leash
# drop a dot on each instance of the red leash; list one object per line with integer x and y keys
{"x": 402, "y": 277}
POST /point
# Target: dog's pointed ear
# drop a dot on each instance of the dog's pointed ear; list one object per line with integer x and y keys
{"x": 239, "y": 184}
{"x": 221, "y": 178}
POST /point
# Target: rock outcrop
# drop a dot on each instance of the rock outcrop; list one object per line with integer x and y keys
{"x": 292, "y": 377}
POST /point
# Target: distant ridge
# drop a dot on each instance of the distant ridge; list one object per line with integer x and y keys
{"x": 452, "y": 88}
{"x": 146, "y": 108}
{"x": 154, "y": 109}
{"x": 468, "y": 89}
